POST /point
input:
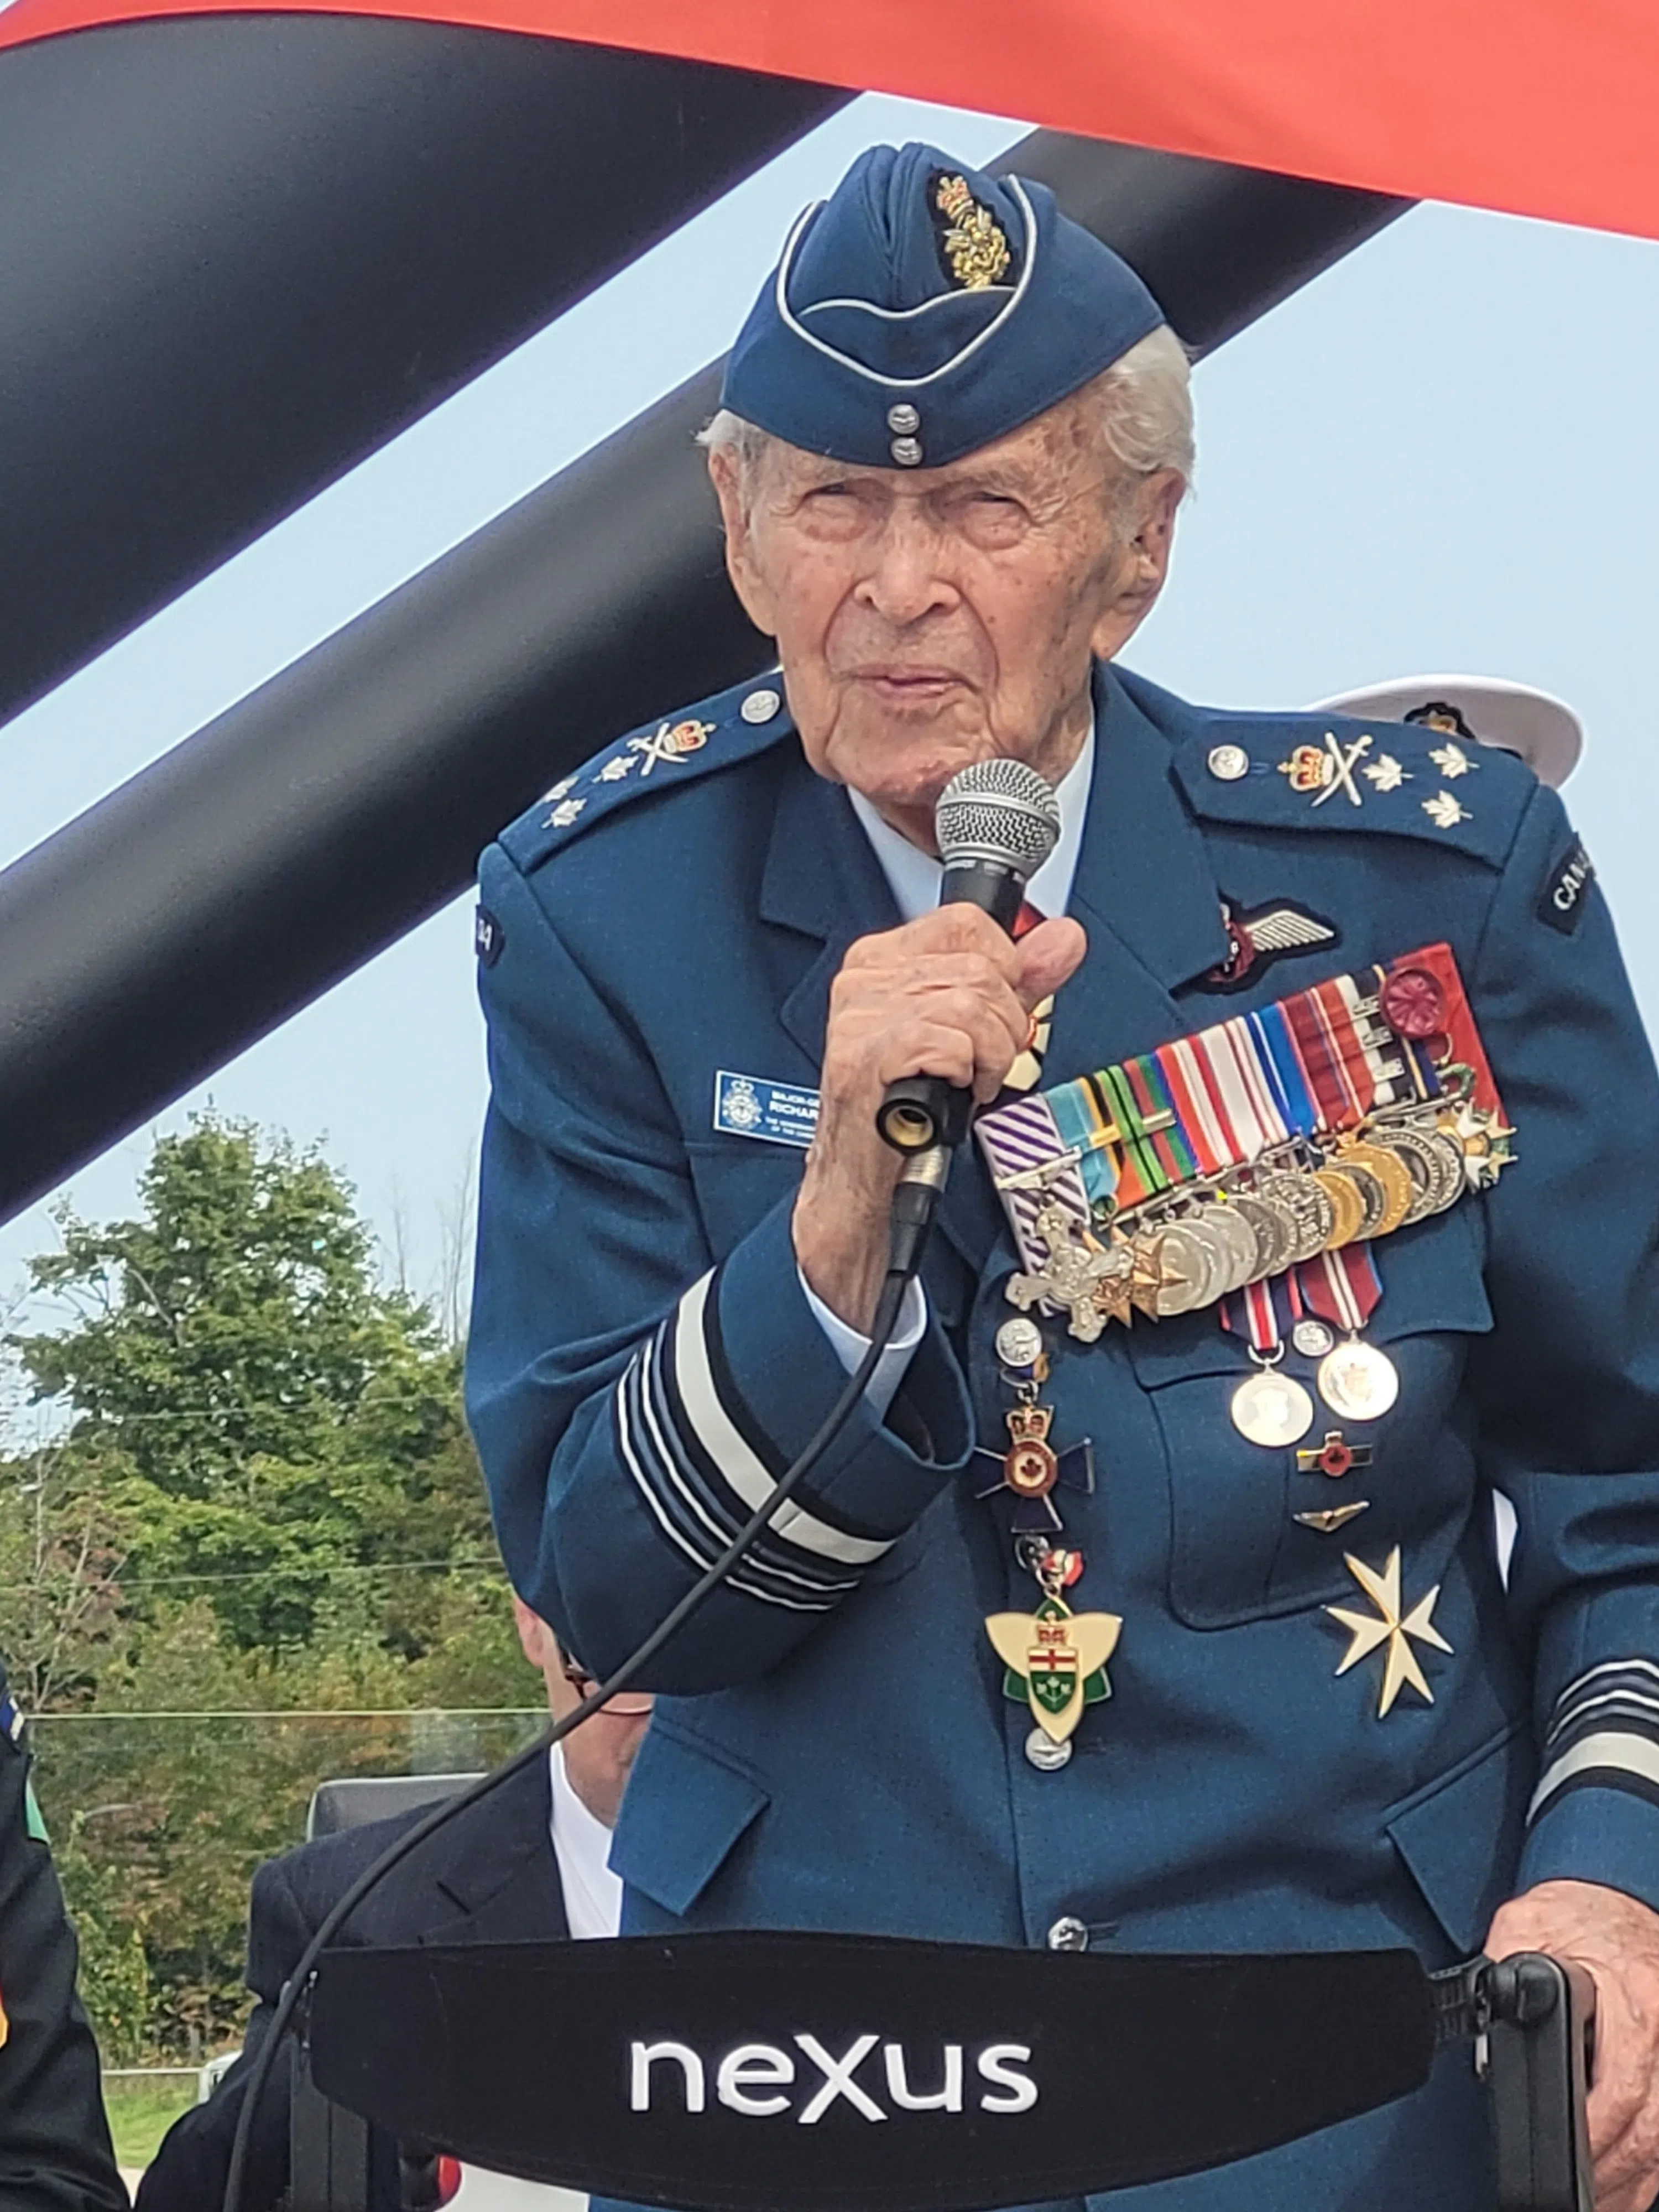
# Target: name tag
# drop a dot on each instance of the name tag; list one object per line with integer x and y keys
{"x": 776, "y": 1113}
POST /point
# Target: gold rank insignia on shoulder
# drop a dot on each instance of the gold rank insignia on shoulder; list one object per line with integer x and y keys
{"x": 669, "y": 743}
{"x": 974, "y": 245}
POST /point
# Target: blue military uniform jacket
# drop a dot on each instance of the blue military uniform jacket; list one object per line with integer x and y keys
{"x": 834, "y": 1747}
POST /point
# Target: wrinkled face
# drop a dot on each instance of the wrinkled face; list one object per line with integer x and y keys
{"x": 929, "y": 617}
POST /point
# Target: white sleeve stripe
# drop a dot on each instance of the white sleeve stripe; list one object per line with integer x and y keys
{"x": 673, "y": 1473}
{"x": 1609, "y": 1667}
{"x": 663, "y": 1456}
{"x": 1634, "y": 1754}
{"x": 734, "y": 1581}
{"x": 1636, "y": 1703}
{"x": 731, "y": 1453}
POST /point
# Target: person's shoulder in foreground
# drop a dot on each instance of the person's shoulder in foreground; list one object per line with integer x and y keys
{"x": 55, "y": 2151}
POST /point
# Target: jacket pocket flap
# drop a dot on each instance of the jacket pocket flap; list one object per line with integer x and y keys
{"x": 684, "y": 1811}
{"x": 1458, "y": 1836}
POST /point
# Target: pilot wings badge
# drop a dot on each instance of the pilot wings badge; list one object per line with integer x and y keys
{"x": 1260, "y": 936}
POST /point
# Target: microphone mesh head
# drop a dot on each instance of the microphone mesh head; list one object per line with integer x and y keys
{"x": 998, "y": 811}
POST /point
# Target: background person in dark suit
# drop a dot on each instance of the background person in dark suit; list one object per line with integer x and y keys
{"x": 55, "y": 2154}
{"x": 526, "y": 1865}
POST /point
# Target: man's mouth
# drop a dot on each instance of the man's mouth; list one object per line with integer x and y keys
{"x": 909, "y": 686}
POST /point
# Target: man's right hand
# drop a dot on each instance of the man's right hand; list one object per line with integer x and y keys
{"x": 949, "y": 994}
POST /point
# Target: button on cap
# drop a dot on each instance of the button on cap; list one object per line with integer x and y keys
{"x": 1068, "y": 1934}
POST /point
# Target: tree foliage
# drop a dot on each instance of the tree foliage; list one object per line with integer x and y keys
{"x": 255, "y": 1497}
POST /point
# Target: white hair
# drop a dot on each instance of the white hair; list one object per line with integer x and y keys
{"x": 1146, "y": 404}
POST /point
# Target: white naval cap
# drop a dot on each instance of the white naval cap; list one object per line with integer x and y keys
{"x": 1546, "y": 733}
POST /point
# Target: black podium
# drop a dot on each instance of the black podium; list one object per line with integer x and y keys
{"x": 805, "y": 2073}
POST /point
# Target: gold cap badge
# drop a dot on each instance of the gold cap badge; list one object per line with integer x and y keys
{"x": 974, "y": 245}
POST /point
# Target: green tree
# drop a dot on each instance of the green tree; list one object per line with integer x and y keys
{"x": 248, "y": 1404}
{"x": 249, "y": 1549}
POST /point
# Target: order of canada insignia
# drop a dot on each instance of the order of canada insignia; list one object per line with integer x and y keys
{"x": 974, "y": 244}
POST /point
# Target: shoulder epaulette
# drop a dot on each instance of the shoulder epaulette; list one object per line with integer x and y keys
{"x": 1326, "y": 772}
{"x": 659, "y": 757}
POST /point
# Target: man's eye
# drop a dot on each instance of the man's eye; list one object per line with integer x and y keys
{"x": 831, "y": 491}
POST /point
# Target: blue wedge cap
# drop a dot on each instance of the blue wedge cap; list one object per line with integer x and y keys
{"x": 925, "y": 309}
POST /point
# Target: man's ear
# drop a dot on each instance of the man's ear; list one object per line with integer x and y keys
{"x": 741, "y": 567}
{"x": 1146, "y": 563}
{"x": 536, "y": 1638}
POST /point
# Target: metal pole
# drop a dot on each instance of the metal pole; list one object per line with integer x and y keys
{"x": 329, "y": 812}
{"x": 238, "y": 253}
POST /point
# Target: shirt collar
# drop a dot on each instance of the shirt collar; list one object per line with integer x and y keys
{"x": 912, "y": 875}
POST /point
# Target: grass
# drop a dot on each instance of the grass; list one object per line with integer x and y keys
{"x": 141, "y": 2112}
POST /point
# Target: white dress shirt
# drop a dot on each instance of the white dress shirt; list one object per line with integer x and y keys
{"x": 913, "y": 877}
{"x": 582, "y": 1844}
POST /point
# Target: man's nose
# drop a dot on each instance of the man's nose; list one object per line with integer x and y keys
{"x": 908, "y": 574}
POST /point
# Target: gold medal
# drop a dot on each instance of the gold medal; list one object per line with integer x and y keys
{"x": 1347, "y": 1207}
{"x": 1357, "y": 1381}
{"x": 1390, "y": 1172}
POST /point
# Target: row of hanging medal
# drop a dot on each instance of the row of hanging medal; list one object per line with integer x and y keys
{"x": 1250, "y": 1167}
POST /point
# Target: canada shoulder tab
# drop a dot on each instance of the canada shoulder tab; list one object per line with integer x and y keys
{"x": 1328, "y": 772}
{"x": 661, "y": 756}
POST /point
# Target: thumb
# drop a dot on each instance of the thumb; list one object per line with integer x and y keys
{"x": 1048, "y": 954}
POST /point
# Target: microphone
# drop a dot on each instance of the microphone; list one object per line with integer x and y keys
{"x": 996, "y": 822}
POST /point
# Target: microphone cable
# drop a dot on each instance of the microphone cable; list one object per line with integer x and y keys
{"x": 914, "y": 1198}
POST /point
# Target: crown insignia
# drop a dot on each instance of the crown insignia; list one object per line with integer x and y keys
{"x": 974, "y": 245}
{"x": 1029, "y": 1424}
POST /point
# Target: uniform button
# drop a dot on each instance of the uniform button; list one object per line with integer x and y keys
{"x": 760, "y": 706}
{"x": 1228, "y": 763}
{"x": 903, "y": 420}
{"x": 1068, "y": 1934}
{"x": 906, "y": 451}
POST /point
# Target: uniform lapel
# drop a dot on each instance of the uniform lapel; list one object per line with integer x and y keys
{"x": 1145, "y": 891}
{"x": 821, "y": 881}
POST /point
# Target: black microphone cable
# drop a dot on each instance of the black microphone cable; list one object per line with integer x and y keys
{"x": 914, "y": 1198}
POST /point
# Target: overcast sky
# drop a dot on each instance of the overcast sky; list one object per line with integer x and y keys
{"x": 1441, "y": 456}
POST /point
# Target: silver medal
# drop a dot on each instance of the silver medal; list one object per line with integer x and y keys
{"x": 1312, "y": 1339}
{"x": 1234, "y": 1242}
{"x": 1306, "y": 1204}
{"x": 1189, "y": 1268}
{"x": 1357, "y": 1381}
{"x": 1272, "y": 1409}
{"x": 1045, "y": 1754}
{"x": 1275, "y": 1233}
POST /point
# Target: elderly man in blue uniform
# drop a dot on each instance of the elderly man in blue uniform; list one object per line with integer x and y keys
{"x": 1302, "y": 1708}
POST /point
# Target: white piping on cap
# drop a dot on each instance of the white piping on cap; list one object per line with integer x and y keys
{"x": 793, "y": 322}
